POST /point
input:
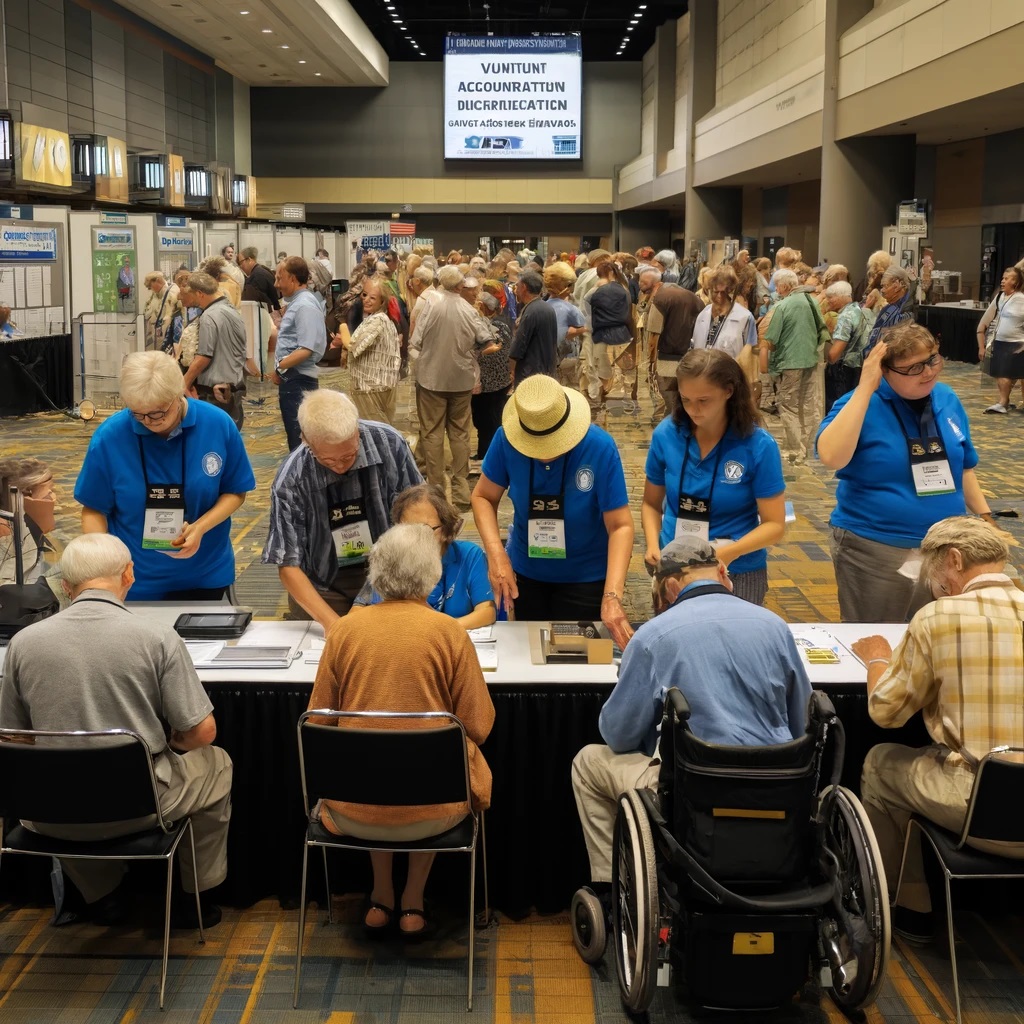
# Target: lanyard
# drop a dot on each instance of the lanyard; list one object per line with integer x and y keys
{"x": 714, "y": 475}
{"x": 715, "y": 330}
{"x": 926, "y": 422}
{"x": 142, "y": 457}
{"x": 561, "y": 486}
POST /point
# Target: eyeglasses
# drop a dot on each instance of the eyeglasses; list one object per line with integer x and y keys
{"x": 154, "y": 417}
{"x": 916, "y": 369}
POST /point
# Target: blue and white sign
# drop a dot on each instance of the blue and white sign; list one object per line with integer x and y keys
{"x": 113, "y": 218}
{"x": 24, "y": 244}
{"x": 165, "y": 221}
{"x": 511, "y": 98}
{"x": 174, "y": 241}
{"x": 113, "y": 239}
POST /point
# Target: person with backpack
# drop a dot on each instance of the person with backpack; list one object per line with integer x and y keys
{"x": 849, "y": 340}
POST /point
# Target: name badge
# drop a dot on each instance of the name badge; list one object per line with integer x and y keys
{"x": 351, "y": 532}
{"x": 546, "y": 528}
{"x": 693, "y": 517}
{"x": 930, "y": 467}
{"x": 164, "y": 517}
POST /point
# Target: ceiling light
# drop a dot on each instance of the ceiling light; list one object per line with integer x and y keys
{"x": 302, "y": 62}
{"x": 641, "y": 7}
{"x": 629, "y": 28}
{"x": 243, "y": 12}
{"x": 268, "y": 31}
{"x": 284, "y": 46}
{"x": 316, "y": 74}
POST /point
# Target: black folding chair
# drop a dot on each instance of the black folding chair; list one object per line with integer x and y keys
{"x": 387, "y": 767}
{"x": 991, "y": 816}
{"x": 85, "y": 778}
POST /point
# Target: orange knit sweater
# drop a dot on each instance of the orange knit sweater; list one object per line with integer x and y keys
{"x": 404, "y": 656}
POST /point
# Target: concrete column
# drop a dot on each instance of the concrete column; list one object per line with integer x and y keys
{"x": 664, "y": 95}
{"x": 863, "y": 179}
{"x": 710, "y": 212}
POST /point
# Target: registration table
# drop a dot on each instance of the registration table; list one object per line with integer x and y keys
{"x": 543, "y": 715}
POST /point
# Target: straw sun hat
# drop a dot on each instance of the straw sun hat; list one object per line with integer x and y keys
{"x": 543, "y": 420}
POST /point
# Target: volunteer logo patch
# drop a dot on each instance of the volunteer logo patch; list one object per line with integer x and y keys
{"x": 584, "y": 479}
{"x": 212, "y": 464}
{"x": 734, "y": 472}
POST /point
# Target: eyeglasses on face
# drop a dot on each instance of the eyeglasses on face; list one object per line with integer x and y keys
{"x": 916, "y": 369}
{"x": 154, "y": 417}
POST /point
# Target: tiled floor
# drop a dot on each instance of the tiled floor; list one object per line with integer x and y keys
{"x": 526, "y": 970}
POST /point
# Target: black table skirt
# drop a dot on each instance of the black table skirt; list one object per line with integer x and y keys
{"x": 536, "y": 854}
{"x": 31, "y": 368}
{"x": 955, "y": 329}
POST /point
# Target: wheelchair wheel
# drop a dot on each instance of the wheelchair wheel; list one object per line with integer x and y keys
{"x": 634, "y": 903}
{"x": 855, "y": 940}
{"x": 589, "y": 930}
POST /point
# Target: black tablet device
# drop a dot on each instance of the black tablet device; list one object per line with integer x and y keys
{"x": 212, "y": 625}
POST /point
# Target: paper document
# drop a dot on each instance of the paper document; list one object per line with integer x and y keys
{"x": 481, "y": 635}
{"x": 487, "y": 653}
{"x": 203, "y": 651}
{"x": 819, "y": 647}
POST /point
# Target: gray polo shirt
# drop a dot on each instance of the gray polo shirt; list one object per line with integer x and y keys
{"x": 125, "y": 673}
{"x": 222, "y": 339}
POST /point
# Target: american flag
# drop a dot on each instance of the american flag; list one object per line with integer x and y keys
{"x": 403, "y": 228}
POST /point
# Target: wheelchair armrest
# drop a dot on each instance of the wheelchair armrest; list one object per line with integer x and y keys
{"x": 678, "y": 704}
{"x": 649, "y": 799}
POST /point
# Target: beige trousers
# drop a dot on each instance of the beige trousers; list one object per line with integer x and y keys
{"x": 378, "y": 406}
{"x": 200, "y": 788}
{"x": 599, "y": 776}
{"x": 798, "y": 400}
{"x": 899, "y": 781}
{"x": 440, "y": 413}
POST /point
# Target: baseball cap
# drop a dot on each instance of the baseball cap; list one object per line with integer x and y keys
{"x": 685, "y": 553}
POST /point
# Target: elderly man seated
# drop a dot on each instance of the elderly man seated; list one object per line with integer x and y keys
{"x": 125, "y": 672}
{"x": 735, "y": 662}
{"x": 961, "y": 664}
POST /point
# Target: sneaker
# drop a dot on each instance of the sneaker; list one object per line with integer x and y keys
{"x": 997, "y": 408}
{"x": 914, "y": 926}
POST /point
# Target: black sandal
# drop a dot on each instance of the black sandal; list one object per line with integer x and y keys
{"x": 379, "y": 929}
{"x": 420, "y": 933}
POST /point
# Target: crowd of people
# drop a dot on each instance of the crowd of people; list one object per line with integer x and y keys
{"x": 527, "y": 350}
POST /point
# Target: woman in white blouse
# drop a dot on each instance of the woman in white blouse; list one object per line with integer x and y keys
{"x": 724, "y": 324}
{"x": 1007, "y": 312}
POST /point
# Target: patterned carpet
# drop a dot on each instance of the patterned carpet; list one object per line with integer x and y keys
{"x": 526, "y": 970}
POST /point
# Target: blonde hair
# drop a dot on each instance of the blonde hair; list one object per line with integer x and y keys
{"x": 93, "y": 556}
{"x": 328, "y": 417}
{"x": 153, "y": 275}
{"x": 559, "y": 278}
{"x": 976, "y": 541}
{"x": 149, "y": 380}
{"x": 835, "y": 273}
{"x": 904, "y": 339}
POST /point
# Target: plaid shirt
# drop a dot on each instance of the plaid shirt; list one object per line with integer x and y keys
{"x": 304, "y": 491}
{"x": 375, "y": 356}
{"x": 961, "y": 663}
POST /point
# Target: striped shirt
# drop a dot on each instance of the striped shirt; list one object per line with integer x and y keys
{"x": 446, "y": 338}
{"x": 961, "y": 663}
{"x": 304, "y": 492}
{"x": 375, "y": 357}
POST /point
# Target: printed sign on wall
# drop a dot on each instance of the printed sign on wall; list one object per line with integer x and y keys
{"x": 364, "y": 235}
{"x": 112, "y": 172}
{"x": 43, "y": 156}
{"x": 115, "y": 270}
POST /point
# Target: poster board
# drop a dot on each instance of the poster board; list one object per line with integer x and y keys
{"x": 175, "y": 247}
{"x": 31, "y": 277}
{"x": 115, "y": 270}
{"x": 42, "y": 155}
{"x": 364, "y": 235}
{"x": 175, "y": 180}
{"x": 112, "y": 185}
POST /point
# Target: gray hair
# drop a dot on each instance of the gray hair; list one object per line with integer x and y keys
{"x": 149, "y": 380}
{"x": 785, "y": 277}
{"x": 667, "y": 258}
{"x": 532, "y": 281}
{"x": 839, "y": 290}
{"x": 489, "y": 302}
{"x": 424, "y": 273}
{"x": 469, "y": 281}
{"x": 93, "y": 556}
{"x": 898, "y": 274}
{"x": 976, "y": 541}
{"x": 652, "y": 272}
{"x": 405, "y": 563}
{"x": 449, "y": 277}
{"x": 203, "y": 283}
{"x": 327, "y": 417}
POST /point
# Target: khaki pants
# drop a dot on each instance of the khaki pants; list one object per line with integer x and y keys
{"x": 200, "y": 788}
{"x": 440, "y": 413}
{"x": 599, "y": 776}
{"x": 897, "y": 782}
{"x": 799, "y": 411}
{"x": 378, "y": 406}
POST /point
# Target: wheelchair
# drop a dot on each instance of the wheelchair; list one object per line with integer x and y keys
{"x": 744, "y": 874}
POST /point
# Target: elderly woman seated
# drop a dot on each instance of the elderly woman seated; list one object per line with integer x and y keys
{"x": 402, "y": 655}
{"x": 463, "y": 591}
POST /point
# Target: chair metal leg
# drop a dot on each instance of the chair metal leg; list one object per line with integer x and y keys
{"x": 302, "y": 927}
{"x": 167, "y": 930}
{"x": 327, "y": 889}
{"x": 472, "y": 926}
{"x": 195, "y": 882}
{"x": 483, "y": 855}
{"x": 952, "y": 944}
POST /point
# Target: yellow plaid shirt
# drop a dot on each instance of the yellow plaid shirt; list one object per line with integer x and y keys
{"x": 961, "y": 663}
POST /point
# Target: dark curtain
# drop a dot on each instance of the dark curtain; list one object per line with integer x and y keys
{"x": 31, "y": 368}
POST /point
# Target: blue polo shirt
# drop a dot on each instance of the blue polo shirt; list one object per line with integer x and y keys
{"x": 749, "y": 468}
{"x": 594, "y": 484}
{"x": 463, "y": 585}
{"x": 111, "y": 481}
{"x": 876, "y": 498}
{"x": 302, "y": 326}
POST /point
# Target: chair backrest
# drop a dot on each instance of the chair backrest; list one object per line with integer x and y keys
{"x": 998, "y": 784}
{"x": 424, "y": 760}
{"x": 745, "y": 813}
{"x": 76, "y": 778}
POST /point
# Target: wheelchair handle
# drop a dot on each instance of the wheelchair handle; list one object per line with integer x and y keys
{"x": 679, "y": 705}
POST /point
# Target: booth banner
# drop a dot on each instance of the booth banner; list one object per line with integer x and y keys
{"x": 174, "y": 249}
{"x": 115, "y": 270}
{"x": 112, "y": 186}
{"x": 403, "y": 233}
{"x": 22, "y": 244}
{"x": 364, "y": 235}
{"x": 43, "y": 156}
